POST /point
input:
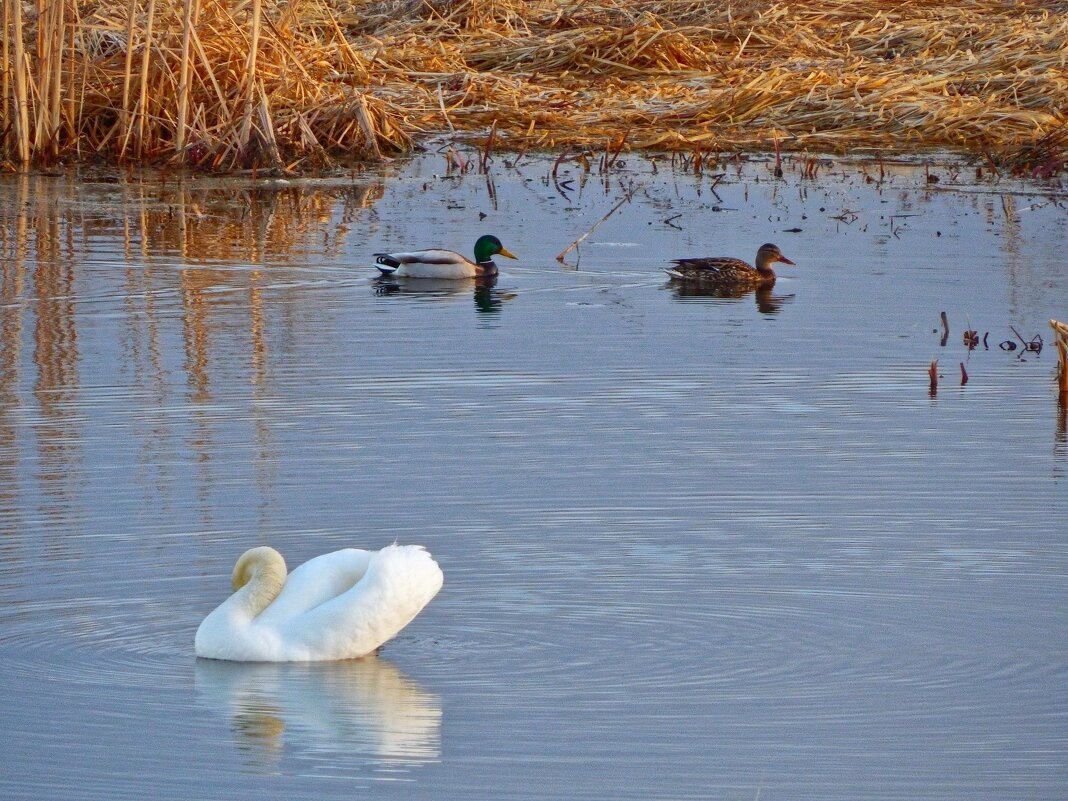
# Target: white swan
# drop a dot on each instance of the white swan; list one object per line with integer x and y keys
{"x": 340, "y": 605}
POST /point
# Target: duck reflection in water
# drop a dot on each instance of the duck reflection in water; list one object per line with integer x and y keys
{"x": 358, "y": 710}
{"x": 767, "y": 301}
{"x": 488, "y": 298}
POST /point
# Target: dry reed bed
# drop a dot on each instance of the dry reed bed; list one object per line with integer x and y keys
{"x": 285, "y": 84}
{"x": 199, "y": 82}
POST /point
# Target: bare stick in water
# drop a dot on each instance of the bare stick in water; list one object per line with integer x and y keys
{"x": 613, "y": 210}
{"x": 488, "y": 151}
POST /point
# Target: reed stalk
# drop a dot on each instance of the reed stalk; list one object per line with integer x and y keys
{"x": 21, "y": 117}
{"x": 146, "y": 57}
{"x": 183, "y": 81}
{"x": 268, "y": 130}
{"x": 5, "y": 71}
{"x": 367, "y": 126}
{"x": 250, "y": 72}
{"x": 127, "y": 72}
{"x": 49, "y": 68}
{"x": 45, "y": 59}
{"x": 78, "y": 70}
{"x": 56, "y": 54}
{"x": 1060, "y": 332}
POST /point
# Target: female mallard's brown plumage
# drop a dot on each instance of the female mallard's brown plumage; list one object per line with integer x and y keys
{"x": 730, "y": 271}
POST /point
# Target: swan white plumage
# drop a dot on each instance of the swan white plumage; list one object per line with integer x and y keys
{"x": 340, "y": 605}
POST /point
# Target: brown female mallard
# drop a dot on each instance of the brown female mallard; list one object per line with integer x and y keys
{"x": 730, "y": 271}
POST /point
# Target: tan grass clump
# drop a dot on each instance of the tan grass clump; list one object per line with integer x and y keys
{"x": 203, "y": 83}
{"x": 282, "y": 82}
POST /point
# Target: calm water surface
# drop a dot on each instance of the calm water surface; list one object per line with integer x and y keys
{"x": 694, "y": 547}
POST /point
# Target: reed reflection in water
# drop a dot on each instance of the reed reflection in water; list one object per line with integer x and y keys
{"x": 196, "y": 252}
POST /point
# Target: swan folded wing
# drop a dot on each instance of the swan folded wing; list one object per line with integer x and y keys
{"x": 400, "y": 580}
{"x": 314, "y": 583}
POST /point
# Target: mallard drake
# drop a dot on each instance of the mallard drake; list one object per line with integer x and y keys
{"x": 443, "y": 263}
{"x": 730, "y": 271}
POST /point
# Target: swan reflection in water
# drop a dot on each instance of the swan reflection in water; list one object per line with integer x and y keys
{"x": 766, "y": 300}
{"x": 488, "y": 298}
{"x": 361, "y": 709}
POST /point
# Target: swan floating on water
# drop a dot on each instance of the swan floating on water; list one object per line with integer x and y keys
{"x": 340, "y": 605}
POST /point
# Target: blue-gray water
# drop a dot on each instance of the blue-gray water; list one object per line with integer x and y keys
{"x": 694, "y": 547}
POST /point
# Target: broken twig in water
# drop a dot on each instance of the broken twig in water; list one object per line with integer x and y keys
{"x": 893, "y": 217}
{"x": 559, "y": 159}
{"x": 1032, "y": 346}
{"x": 613, "y": 210}
{"x": 932, "y": 372}
{"x": 487, "y": 152}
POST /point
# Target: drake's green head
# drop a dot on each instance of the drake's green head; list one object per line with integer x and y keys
{"x": 489, "y": 246}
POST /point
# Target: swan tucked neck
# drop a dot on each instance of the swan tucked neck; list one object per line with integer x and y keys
{"x": 259, "y": 576}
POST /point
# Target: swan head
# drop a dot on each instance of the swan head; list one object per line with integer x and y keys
{"x": 263, "y": 563}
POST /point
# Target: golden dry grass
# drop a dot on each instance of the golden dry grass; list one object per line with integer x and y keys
{"x": 291, "y": 84}
{"x": 1060, "y": 340}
